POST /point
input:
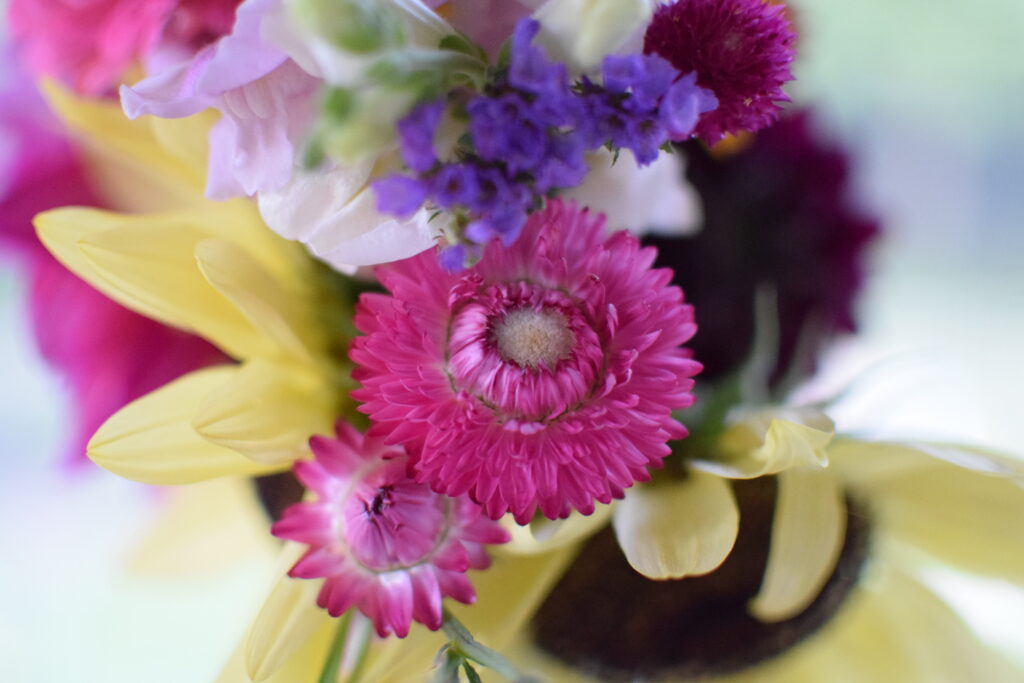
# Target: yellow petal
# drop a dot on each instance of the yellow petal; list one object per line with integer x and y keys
{"x": 288, "y": 619}
{"x": 268, "y": 411}
{"x": 508, "y": 593}
{"x": 542, "y": 535}
{"x": 763, "y": 444}
{"x": 205, "y": 527}
{"x": 125, "y": 162}
{"x": 967, "y": 517}
{"x": 255, "y": 292}
{"x": 151, "y": 440}
{"x": 185, "y": 139}
{"x": 675, "y": 529}
{"x": 808, "y": 530}
{"x": 303, "y": 666}
{"x": 890, "y": 630}
{"x": 153, "y": 264}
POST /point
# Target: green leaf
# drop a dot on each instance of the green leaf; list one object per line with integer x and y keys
{"x": 471, "y": 675}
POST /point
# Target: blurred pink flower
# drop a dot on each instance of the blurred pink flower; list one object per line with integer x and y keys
{"x": 89, "y": 44}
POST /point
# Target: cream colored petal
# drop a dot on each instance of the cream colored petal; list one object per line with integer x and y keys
{"x": 583, "y": 32}
{"x": 155, "y": 265}
{"x": 125, "y": 162}
{"x": 508, "y": 593}
{"x": 151, "y": 440}
{"x": 542, "y": 535}
{"x": 263, "y": 300}
{"x": 807, "y": 536}
{"x": 185, "y": 139}
{"x": 967, "y": 517}
{"x": 676, "y": 529}
{"x": 892, "y": 630}
{"x": 268, "y": 411}
{"x": 304, "y": 666}
{"x": 764, "y": 444}
{"x": 205, "y": 527}
{"x": 288, "y": 619}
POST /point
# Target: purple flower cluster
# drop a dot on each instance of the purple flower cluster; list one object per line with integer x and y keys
{"x": 527, "y": 136}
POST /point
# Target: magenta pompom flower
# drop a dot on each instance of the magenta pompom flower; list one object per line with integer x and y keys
{"x": 383, "y": 543}
{"x": 545, "y": 376}
{"x": 741, "y": 51}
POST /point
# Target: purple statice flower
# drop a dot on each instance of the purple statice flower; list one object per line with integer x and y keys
{"x": 529, "y": 132}
{"x": 399, "y": 195}
{"x": 641, "y": 106}
{"x": 529, "y": 69}
{"x": 416, "y": 135}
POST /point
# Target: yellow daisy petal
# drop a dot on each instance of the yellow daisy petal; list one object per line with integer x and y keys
{"x": 303, "y": 666}
{"x": 205, "y": 527}
{"x": 258, "y": 295}
{"x": 186, "y": 139}
{"x": 893, "y": 630}
{"x": 151, "y": 440}
{"x": 288, "y": 619}
{"x": 967, "y": 517}
{"x": 674, "y": 529}
{"x": 507, "y": 594}
{"x": 267, "y": 411}
{"x": 147, "y": 263}
{"x": 125, "y": 162}
{"x": 155, "y": 264}
{"x": 763, "y": 444}
{"x": 542, "y": 535}
{"x": 807, "y": 537}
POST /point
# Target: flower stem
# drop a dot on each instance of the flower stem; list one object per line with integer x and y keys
{"x": 329, "y": 674}
{"x": 463, "y": 643}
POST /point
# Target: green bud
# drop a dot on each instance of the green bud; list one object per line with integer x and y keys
{"x": 357, "y": 26}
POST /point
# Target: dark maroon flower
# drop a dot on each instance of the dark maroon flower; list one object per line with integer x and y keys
{"x": 740, "y": 50}
{"x": 777, "y": 215}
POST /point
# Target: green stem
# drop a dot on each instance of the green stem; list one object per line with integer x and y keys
{"x": 365, "y": 635}
{"x": 329, "y": 674}
{"x": 465, "y": 644}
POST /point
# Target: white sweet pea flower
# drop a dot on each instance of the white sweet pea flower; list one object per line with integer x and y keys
{"x": 650, "y": 199}
{"x": 334, "y": 213}
{"x": 582, "y": 32}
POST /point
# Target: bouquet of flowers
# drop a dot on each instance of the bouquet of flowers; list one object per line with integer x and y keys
{"x": 413, "y": 272}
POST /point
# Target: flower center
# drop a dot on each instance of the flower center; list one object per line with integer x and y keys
{"x": 611, "y": 623}
{"x": 531, "y": 338}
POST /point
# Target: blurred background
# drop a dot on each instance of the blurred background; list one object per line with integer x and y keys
{"x": 926, "y": 94}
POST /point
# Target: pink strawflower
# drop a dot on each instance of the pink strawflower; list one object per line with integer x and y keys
{"x": 545, "y": 376}
{"x": 106, "y": 355}
{"x": 741, "y": 51}
{"x": 90, "y": 44}
{"x": 383, "y": 543}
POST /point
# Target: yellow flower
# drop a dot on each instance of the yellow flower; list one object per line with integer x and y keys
{"x": 873, "y": 621}
{"x": 213, "y": 269}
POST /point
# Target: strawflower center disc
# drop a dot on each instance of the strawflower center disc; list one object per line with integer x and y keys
{"x": 528, "y": 353}
{"x": 609, "y": 622}
{"x": 532, "y": 338}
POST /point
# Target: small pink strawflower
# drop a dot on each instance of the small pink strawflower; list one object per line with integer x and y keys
{"x": 382, "y": 542}
{"x": 545, "y": 376}
{"x": 741, "y": 51}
